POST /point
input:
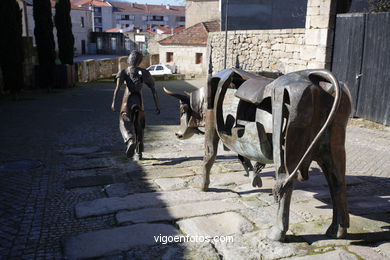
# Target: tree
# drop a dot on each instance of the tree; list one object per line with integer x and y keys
{"x": 11, "y": 45}
{"x": 65, "y": 37}
{"x": 44, "y": 39}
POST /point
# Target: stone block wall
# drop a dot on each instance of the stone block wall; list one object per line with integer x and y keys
{"x": 282, "y": 50}
{"x": 89, "y": 70}
{"x": 258, "y": 50}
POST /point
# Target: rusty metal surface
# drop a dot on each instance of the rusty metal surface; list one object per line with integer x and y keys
{"x": 298, "y": 118}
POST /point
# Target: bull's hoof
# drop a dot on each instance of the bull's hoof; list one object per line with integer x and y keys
{"x": 276, "y": 234}
{"x": 336, "y": 231}
{"x": 257, "y": 182}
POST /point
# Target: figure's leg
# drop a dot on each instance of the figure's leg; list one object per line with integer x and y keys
{"x": 127, "y": 130}
{"x": 211, "y": 147}
{"x": 332, "y": 163}
{"x": 139, "y": 130}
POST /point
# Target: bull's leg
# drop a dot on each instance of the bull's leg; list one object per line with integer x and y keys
{"x": 255, "y": 175}
{"x": 279, "y": 230}
{"x": 246, "y": 163}
{"x": 332, "y": 162}
{"x": 211, "y": 147}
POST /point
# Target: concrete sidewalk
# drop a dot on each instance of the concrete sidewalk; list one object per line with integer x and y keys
{"x": 68, "y": 190}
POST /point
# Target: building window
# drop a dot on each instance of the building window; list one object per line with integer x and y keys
{"x": 97, "y": 11}
{"x": 198, "y": 58}
{"x": 113, "y": 43}
{"x": 157, "y": 18}
{"x": 82, "y": 22}
{"x": 99, "y": 43}
{"x": 98, "y": 21}
{"x": 144, "y": 18}
{"x": 98, "y": 29}
{"x": 169, "y": 57}
{"x": 180, "y": 19}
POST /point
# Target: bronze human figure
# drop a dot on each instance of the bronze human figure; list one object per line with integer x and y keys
{"x": 132, "y": 115}
{"x": 298, "y": 118}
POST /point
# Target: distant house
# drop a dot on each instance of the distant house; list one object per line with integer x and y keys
{"x": 186, "y": 50}
{"x": 146, "y": 16}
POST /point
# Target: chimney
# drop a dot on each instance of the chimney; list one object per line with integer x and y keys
{"x": 132, "y": 5}
{"x": 168, "y": 7}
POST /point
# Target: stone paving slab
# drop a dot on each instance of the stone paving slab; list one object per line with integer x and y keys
{"x": 178, "y": 212}
{"x": 185, "y": 251}
{"x": 312, "y": 210}
{"x": 124, "y": 189}
{"x": 369, "y": 229}
{"x": 86, "y": 164}
{"x": 265, "y": 217}
{"x": 87, "y": 181}
{"x": 216, "y": 225}
{"x": 171, "y": 183}
{"x": 255, "y": 245}
{"x": 157, "y": 173}
{"x": 384, "y": 249}
{"x": 366, "y": 252}
{"x": 143, "y": 200}
{"x": 338, "y": 254}
{"x": 108, "y": 241}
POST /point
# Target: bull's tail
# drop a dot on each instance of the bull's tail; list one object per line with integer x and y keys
{"x": 328, "y": 76}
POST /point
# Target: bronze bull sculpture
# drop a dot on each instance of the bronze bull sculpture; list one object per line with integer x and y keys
{"x": 298, "y": 118}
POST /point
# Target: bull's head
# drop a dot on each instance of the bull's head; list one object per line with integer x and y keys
{"x": 189, "y": 119}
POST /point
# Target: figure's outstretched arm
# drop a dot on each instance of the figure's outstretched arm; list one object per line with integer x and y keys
{"x": 119, "y": 83}
{"x": 149, "y": 81}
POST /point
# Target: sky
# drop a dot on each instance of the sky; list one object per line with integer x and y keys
{"x": 154, "y": 2}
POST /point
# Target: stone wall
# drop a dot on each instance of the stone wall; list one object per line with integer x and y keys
{"x": 283, "y": 50}
{"x": 89, "y": 70}
{"x": 258, "y": 50}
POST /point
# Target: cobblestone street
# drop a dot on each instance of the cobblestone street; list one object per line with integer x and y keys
{"x": 67, "y": 189}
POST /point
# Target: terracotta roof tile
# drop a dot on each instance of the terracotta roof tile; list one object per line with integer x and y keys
{"x": 116, "y": 29}
{"x": 92, "y": 2}
{"x": 194, "y": 35}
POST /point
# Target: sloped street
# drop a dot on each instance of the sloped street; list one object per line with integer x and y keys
{"x": 67, "y": 189}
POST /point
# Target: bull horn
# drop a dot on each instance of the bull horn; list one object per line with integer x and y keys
{"x": 183, "y": 98}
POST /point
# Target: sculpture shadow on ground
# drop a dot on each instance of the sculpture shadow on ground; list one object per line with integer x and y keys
{"x": 368, "y": 202}
{"x": 178, "y": 160}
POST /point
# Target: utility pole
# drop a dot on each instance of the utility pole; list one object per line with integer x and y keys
{"x": 92, "y": 15}
{"x": 226, "y": 31}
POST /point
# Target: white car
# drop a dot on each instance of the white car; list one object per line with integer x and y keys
{"x": 159, "y": 69}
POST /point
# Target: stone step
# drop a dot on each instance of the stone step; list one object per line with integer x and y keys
{"x": 179, "y": 211}
{"x": 144, "y": 200}
{"x": 110, "y": 241}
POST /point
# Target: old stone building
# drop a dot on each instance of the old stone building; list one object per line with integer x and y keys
{"x": 186, "y": 50}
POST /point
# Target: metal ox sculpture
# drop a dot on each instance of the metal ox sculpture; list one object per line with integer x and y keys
{"x": 298, "y": 118}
